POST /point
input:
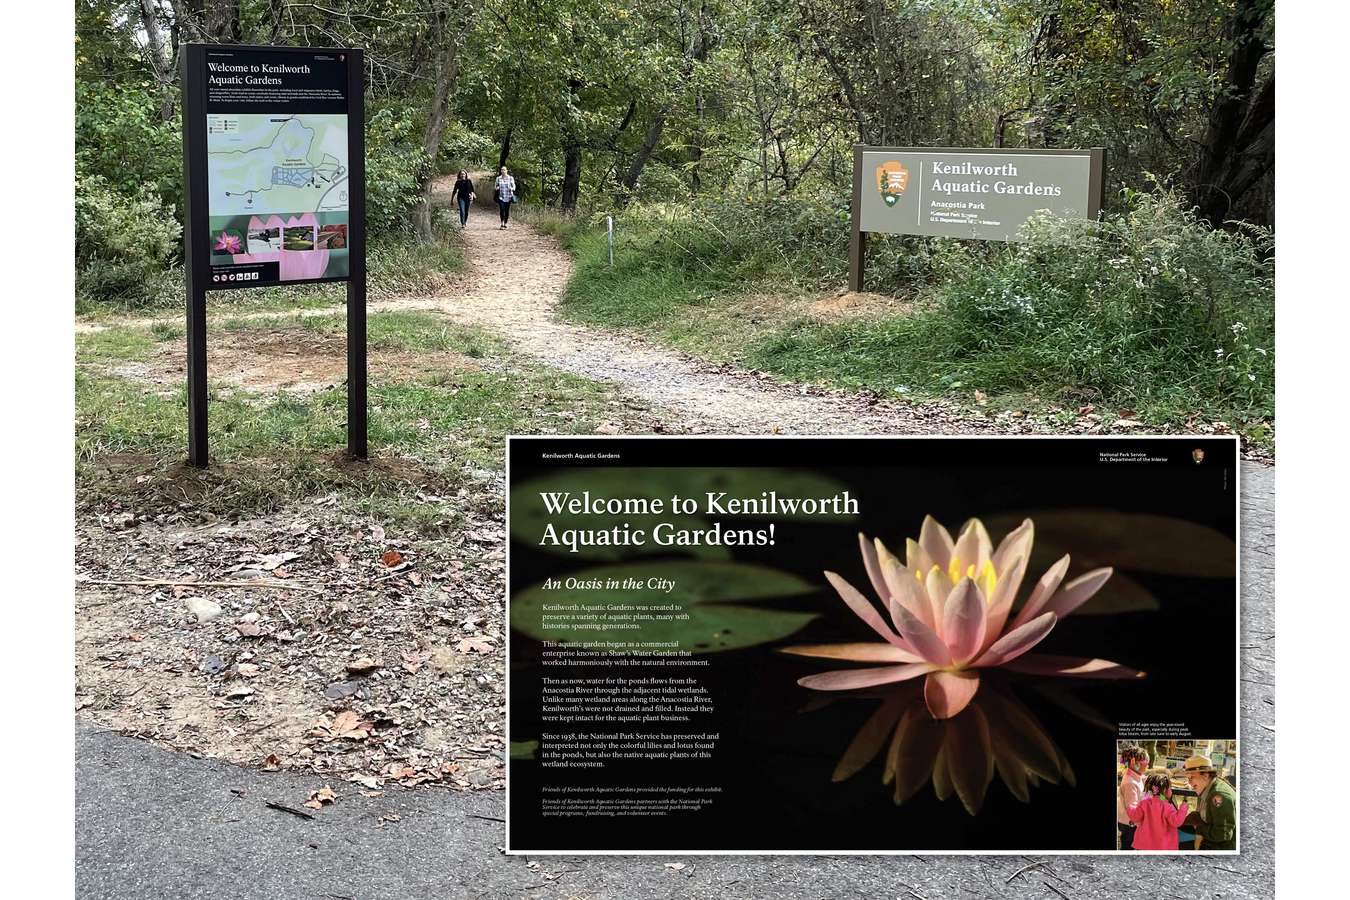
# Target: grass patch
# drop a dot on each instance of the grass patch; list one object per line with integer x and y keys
{"x": 114, "y": 345}
{"x": 1148, "y": 312}
{"x": 427, "y": 434}
{"x": 407, "y": 330}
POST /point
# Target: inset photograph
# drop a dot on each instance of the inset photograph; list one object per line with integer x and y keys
{"x": 264, "y": 240}
{"x": 227, "y": 241}
{"x": 298, "y": 237}
{"x": 1175, "y": 795}
{"x": 332, "y": 237}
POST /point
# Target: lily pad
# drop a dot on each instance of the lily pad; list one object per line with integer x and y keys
{"x": 705, "y": 612}
{"x": 1140, "y": 541}
{"x": 524, "y": 749}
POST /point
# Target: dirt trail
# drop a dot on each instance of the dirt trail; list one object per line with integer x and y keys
{"x": 514, "y": 282}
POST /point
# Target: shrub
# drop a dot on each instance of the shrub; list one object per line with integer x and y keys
{"x": 120, "y": 138}
{"x": 1148, "y": 308}
{"x": 395, "y": 166}
{"x": 124, "y": 245}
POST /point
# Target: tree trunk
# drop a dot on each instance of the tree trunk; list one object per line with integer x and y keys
{"x": 447, "y": 71}
{"x": 161, "y": 61}
{"x": 506, "y": 147}
{"x": 571, "y": 186}
{"x": 628, "y": 184}
{"x": 218, "y": 20}
{"x": 700, "y": 105}
{"x": 1238, "y": 146}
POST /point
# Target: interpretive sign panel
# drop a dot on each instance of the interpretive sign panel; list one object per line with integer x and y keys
{"x": 273, "y": 160}
{"x": 872, "y": 645}
{"x": 277, "y": 165}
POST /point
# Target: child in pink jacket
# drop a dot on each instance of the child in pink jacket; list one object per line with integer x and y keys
{"x": 1156, "y": 816}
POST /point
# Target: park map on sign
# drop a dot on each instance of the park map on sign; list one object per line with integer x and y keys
{"x": 261, "y": 163}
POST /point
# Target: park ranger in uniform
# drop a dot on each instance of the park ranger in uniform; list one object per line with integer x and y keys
{"x": 1214, "y": 820}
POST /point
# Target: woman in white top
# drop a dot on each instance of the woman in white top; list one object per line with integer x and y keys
{"x": 505, "y": 193}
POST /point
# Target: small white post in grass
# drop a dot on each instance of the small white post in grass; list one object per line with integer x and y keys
{"x": 609, "y": 233}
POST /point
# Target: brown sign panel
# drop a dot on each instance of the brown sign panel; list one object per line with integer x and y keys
{"x": 971, "y": 193}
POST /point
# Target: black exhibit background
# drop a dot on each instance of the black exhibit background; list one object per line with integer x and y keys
{"x": 780, "y": 743}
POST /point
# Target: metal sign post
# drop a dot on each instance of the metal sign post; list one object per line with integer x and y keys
{"x": 959, "y": 192}
{"x": 357, "y": 405}
{"x": 274, "y": 170}
{"x": 609, "y": 232}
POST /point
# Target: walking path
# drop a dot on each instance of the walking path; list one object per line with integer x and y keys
{"x": 513, "y": 285}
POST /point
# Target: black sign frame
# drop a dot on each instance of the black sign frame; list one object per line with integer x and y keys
{"x": 196, "y": 236}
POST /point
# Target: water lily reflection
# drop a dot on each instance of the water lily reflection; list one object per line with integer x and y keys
{"x": 996, "y": 734}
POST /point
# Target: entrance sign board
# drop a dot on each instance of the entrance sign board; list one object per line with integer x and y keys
{"x": 273, "y": 159}
{"x": 967, "y": 193}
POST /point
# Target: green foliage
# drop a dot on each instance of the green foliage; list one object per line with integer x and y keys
{"x": 671, "y": 255}
{"x": 395, "y": 167}
{"x": 1148, "y": 309}
{"x": 124, "y": 244}
{"x": 121, "y": 139}
{"x": 463, "y": 148}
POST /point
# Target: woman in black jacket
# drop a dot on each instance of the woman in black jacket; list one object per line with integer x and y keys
{"x": 463, "y": 195}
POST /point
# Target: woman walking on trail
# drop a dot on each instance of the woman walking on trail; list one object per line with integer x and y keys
{"x": 463, "y": 195}
{"x": 505, "y": 192}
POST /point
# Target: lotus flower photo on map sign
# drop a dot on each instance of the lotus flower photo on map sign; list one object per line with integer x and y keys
{"x": 228, "y": 242}
{"x": 949, "y": 606}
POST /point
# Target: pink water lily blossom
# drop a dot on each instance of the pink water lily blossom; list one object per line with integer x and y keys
{"x": 228, "y": 242}
{"x": 949, "y": 605}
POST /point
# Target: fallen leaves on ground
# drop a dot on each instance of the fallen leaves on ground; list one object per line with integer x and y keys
{"x": 352, "y": 681}
{"x": 474, "y": 645}
{"x": 345, "y": 724}
{"x": 318, "y": 798}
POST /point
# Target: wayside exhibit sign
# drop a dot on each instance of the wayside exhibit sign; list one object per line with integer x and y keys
{"x": 870, "y": 645}
{"x": 273, "y": 161}
{"x": 277, "y": 166}
{"x": 984, "y": 194}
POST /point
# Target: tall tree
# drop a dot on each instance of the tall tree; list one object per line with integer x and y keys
{"x": 443, "y": 43}
{"x": 1237, "y": 148}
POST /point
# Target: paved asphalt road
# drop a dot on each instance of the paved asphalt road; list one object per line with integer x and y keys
{"x": 152, "y": 824}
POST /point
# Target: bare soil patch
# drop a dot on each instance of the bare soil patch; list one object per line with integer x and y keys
{"x": 309, "y": 640}
{"x": 295, "y": 360}
{"x": 860, "y": 304}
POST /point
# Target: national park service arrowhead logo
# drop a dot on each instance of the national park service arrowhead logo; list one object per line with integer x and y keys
{"x": 892, "y": 179}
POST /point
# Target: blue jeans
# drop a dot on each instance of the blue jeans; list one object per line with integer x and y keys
{"x": 504, "y": 207}
{"x": 463, "y": 210}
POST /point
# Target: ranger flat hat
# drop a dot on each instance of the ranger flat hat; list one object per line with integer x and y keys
{"x": 1198, "y": 764}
